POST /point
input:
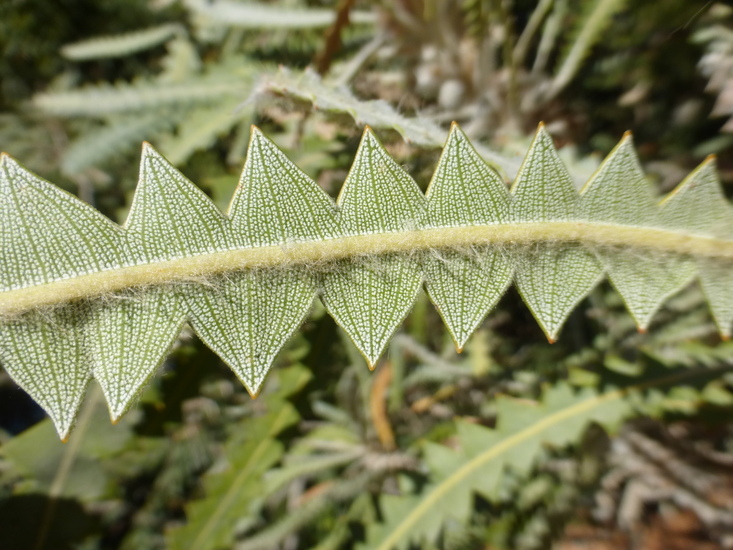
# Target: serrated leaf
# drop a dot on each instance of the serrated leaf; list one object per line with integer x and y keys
{"x": 465, "y": 285}
{"x": 716, "y": 279}
{"x": 274, "y": 302}
{"x": 698, "y": 204}
{"x": 44, "y": 353}
{"x": 543, "y": 190}
{"x": 275, "y": 203}
{"x": 370, "y": 299}
{"x": 644, "y": 281}
{"x": 619, "y": 194}
{"x": 52, "y": 235}
{"x": 246, "y": 280}
{"x": 378, "y": 196}
{"x": 130, "y": 338}
{"x": 551, "y": 279}
{"x": 170, "y": 217}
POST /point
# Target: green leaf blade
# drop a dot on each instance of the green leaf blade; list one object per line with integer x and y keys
{"x": 128, "y": 338}
{"x": 45, "y": 355}
{"x": 170, "y": 217}
{"x": 276, "y": 203}
{"x": 273, "y": 303}
{"x": 551, "y": 279}
{"x": 48, "y": 234}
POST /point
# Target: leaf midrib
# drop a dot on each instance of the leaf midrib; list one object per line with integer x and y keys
{"x": 199, "y": 266}
{"x": 534, "y": 429}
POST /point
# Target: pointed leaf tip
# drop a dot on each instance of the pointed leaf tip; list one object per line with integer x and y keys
{"x": 6, "y": 161}
{"x": 150, "y": 152}
{"x": 368, "y": 134}
{"x": 542, "y": 135}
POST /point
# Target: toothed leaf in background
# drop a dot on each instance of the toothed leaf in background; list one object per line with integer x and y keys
{"x": 233, "y": 489}
{"x": 263, "y": 16}
{"x": 142, "y": 95}
{"x": 465, "y": 285}
{"x": 105, "y": 47}
{"x": 201, "y": 128}
{"x": 78, "y": 470}
{"x": 377, "y": 113}
{"x": 478, "y": 457}
{"x": 118, "y": 134}
{"x": 481, "y": 455}
{"x": 551, "y": 279}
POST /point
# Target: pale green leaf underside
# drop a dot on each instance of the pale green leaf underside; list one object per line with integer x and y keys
{"x": 82, "y": 297}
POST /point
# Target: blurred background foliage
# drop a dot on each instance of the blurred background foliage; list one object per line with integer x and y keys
{"x": 329, "y": 455}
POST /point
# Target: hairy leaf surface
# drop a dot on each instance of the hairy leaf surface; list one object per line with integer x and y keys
{"x": 82, "y": 297}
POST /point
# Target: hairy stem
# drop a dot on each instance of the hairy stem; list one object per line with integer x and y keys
{"x": 310, "y": 253}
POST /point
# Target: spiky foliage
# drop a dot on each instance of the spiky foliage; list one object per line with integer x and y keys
{"x": 366, "y": 256}
{"x": 365, "y": 443}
